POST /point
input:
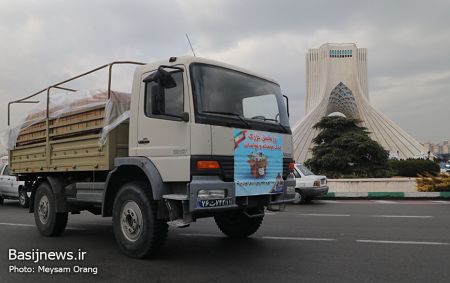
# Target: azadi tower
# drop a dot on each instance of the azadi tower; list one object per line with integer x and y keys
{"x": 337, "y": 81}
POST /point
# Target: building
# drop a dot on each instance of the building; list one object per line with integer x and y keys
{"x": 440, "y": 150}
{"x": 337, "y": 81}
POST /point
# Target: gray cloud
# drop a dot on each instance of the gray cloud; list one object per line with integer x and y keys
{"x": 45, "y": 42}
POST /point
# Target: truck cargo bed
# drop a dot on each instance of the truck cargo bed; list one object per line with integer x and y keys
{"x": 72, "y": 144}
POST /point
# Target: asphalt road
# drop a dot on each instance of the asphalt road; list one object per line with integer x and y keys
{"x": 324, "y": 241}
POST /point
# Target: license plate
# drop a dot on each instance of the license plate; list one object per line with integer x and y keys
{"x": 213, "y": 202}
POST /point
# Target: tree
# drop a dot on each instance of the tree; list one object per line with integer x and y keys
{"x": 345, "y": 150}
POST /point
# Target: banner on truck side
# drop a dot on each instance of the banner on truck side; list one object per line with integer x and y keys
{"x": 258, "y": 163}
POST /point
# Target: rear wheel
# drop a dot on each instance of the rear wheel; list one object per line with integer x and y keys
{"x": 298, "y": 198}
{"x": 138, "y": 231}
{"x": 238, "y": 225}
{"x": 23, "y": 198}
{"x": 48, "y": 221}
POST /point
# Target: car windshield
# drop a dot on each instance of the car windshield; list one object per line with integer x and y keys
{"x": 304, "y": 170}
{"x": 224, "y": 91}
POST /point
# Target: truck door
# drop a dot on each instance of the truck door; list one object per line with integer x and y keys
{"x": 165, "y": 140}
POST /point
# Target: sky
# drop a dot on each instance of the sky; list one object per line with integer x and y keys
{"x": 45, "y": 42}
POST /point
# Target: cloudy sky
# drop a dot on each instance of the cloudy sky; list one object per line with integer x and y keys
{"x": 44, "y": 42}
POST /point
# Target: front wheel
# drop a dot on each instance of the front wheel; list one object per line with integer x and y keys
{"x": 23, "y": 198}
{"x": 238, "y": 225}
{"x": 298, "y": 198}
{"x": 138, "y": 231}
{"x": 48, "y": 221}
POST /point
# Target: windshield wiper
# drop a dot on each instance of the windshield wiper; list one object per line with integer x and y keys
{"x": 229, "y": 113}
{"x": 260, "y": 117}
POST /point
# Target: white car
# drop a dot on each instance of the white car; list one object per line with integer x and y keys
{"x": 308, "y": 185}
{"x": 10, "y": 188}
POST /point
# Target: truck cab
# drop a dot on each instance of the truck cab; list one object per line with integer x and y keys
{"x": 217, "y": 101}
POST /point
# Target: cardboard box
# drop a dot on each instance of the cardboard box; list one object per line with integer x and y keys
{"x": 257, "y": 168}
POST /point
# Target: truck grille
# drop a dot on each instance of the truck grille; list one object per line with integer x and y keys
{"x": 227, "y": 167}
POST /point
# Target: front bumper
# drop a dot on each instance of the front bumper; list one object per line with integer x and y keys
{"x": 233, "y": 202}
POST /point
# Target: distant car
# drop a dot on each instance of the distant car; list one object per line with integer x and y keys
{"x": 10, "y": 188}
{"x": 308, "y": 185}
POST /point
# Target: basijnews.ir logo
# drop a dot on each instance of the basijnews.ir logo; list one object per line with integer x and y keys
{"x": 36, "y": 255}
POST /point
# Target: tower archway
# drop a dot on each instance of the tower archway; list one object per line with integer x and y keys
{"x": 343, "y": 101}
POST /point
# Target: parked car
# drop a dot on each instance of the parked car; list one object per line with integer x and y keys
{"x": 308, "y": 185}
{"x": 10, "y": 188}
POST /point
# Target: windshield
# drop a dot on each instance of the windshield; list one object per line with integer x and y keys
{"x": 224, "y": 91}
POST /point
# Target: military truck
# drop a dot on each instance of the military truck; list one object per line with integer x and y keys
{"x": 195, "y": 138}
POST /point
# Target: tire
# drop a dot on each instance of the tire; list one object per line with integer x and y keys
{"x": 238, "y": 225}
{"x": 48, "y": 222}
{"x": 299, "y": 198}
{"x": 138, "y": 231}
{"x": 1, "y": 200}
{"x": 24, "y": 200}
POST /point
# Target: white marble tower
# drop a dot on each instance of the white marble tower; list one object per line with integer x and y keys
{"x": 337, "y": 81}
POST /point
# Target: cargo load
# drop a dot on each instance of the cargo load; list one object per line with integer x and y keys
{"x": 71, "y": 115}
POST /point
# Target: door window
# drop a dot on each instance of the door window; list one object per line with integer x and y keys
{"x": 173, "y": 102}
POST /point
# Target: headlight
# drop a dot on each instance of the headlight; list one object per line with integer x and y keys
{"x": 290, "y": 190}
{"x": 211, "y": 194}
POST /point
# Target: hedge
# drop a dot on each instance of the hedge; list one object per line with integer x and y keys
{"x": 415, "y": 167}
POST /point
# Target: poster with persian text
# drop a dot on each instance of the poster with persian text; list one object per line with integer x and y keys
{"x": 258, "y": 163}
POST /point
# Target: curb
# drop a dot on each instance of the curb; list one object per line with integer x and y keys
{"x": 387, "y": 195}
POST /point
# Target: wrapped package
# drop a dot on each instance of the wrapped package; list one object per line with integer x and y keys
{"x": 31, "y": 128}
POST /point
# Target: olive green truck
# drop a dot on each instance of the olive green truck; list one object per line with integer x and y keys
{"x": 195, "y": 138}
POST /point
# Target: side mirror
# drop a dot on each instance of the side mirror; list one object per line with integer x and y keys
{"x": 162, "y": 78}
{"x": 158, "y": 100}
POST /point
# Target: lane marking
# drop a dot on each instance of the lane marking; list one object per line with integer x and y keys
{"x": 311, "y": 214}
{"x": 402, "y": 216}
{"x": 298, "y": 239}
{"x": 201, "y": 235}
{"x": 17, "y": 224}
{"x": 32, "y": 225}
{"x": 385, "y": 201}
{"x": 403, "y": 242}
